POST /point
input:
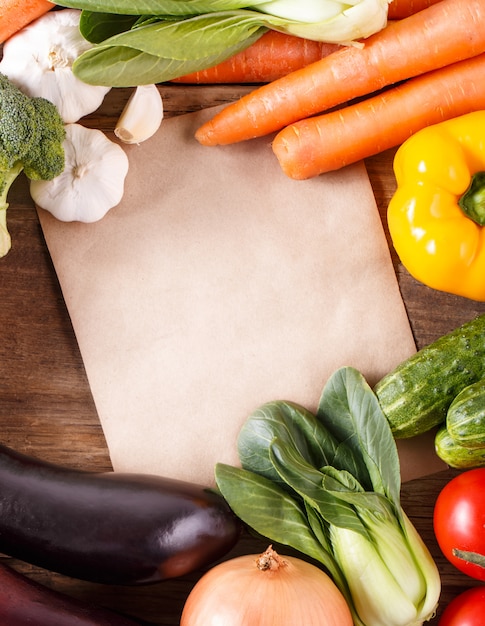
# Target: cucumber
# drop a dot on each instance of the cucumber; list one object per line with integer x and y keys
{"x": 465, "y": 419}
{"x": 416, "y": 395}
{"x": 457, "y": 456}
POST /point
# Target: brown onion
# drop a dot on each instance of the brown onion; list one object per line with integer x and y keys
{"x": 265, "y": 590}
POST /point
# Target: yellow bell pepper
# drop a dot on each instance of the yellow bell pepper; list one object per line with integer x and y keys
{"x": 436, "y": 217}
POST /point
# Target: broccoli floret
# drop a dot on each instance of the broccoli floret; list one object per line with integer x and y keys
{"x": 31, "y": 140}
{"x": 45, "y": 160}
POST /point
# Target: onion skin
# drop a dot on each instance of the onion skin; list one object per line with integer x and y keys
{"x": 111, "y": 527}
{"x": 243, "y": 591}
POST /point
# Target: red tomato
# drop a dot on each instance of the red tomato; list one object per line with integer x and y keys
{"x": 459, "y": 520}
{"x": 467, "y": 609}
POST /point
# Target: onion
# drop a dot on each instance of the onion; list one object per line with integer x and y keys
{"x": 264, "y": 590}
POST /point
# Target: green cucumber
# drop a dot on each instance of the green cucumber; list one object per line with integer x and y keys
{"x": 416, "y": 395}
{"x": 454, "y": 455}
{"x": 465, "y": 419}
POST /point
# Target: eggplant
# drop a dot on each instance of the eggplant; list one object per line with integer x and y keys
{"x": 109, "y": 527}
{"x": 24, "y": 602}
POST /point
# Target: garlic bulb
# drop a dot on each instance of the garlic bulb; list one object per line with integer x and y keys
{"x": 38, "y": 59}
{"x": 142, "y": 115}
{"x": 92, "y": 181}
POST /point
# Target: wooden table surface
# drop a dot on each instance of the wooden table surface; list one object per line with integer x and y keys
{"x": 46, "y": 408}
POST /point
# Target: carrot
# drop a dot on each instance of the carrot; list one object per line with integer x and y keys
{"x": 333, "y": 140}
{"x": 273, "y": 55}
{"x": 448, "y": 31}
{"x": 398, "y": 9}
{"x": 15, "y": 14}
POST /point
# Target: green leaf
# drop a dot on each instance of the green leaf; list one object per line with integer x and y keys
{"x": 268, "y": 510}
{"x": 298, "y": 427}
{"x": 350, "y": 409}
{"x": 191, "y": 38}
{"x": 96, "y": 27}
{"x": 339, "y": 480}
{"x": 157, "y": 7}
{"x": 161, "y": 51}
{"x": 292, "y": 424}
{"x": 307, "y": 483}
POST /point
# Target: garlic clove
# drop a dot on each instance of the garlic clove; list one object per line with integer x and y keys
{"x": 142, "y": 115}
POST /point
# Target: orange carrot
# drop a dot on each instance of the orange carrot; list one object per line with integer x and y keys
{"x": 15, "y": 14}
{"x": 273, "y": 55}
{"x": 330, "y": 141}
{"x": 404, "y": 8}
{"x": 444, "y": 33}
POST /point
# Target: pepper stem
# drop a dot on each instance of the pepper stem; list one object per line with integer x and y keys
{"x": 472, "y": 202}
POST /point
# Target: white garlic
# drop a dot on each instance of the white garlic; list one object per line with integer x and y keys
{"x": 142, "y": 115}
{"x": 92, "y": 181}
{"x": 38, "y": 59}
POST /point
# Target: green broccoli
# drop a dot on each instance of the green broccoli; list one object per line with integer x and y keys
{"x": 31, "y": 140}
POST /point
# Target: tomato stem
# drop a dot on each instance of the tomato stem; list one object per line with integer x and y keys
{"x": 470, "y": 557}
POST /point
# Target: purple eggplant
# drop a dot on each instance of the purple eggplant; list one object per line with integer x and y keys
{"x": 24, "y": 602}
{"x": 110, "y": 527}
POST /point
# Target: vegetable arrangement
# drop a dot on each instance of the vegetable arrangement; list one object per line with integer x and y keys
{"x": 328, "y": 485}
{"x": 440, "y": 35}
{"x": 110, "y": 527}
{"x": 263, "y": 590}
{"x": 142, "y": 43}
{"x": 459, "y": 522}
{"x": 37, "y": 62}
{"x": 440, "y": 241}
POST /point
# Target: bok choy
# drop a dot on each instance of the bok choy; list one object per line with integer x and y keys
{"x": 140, "y": 42}
{"x": 328, "y": 484}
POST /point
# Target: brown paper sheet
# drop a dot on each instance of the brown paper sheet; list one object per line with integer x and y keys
{"x": 219, "y": 284}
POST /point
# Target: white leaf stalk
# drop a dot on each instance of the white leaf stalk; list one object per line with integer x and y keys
{"x": 142, "y": 115}
{"x": 392, "y": 577}
{"x": 328, "y": 20}
{"x": 38, "y": 59}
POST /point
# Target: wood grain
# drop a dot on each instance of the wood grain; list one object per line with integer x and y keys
{"x": 46, "y": 408}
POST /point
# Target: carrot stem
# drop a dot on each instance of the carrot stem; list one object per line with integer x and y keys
{"x": 15, "y": 14}
{"x": 338, "y": 138}
{"x": 449, "y": 31}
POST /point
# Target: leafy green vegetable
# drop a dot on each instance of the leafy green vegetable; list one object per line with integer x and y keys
{"x": 182, "y": 8}
{"x": 329, "y": 485}
{"x": 162, "y": 50}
